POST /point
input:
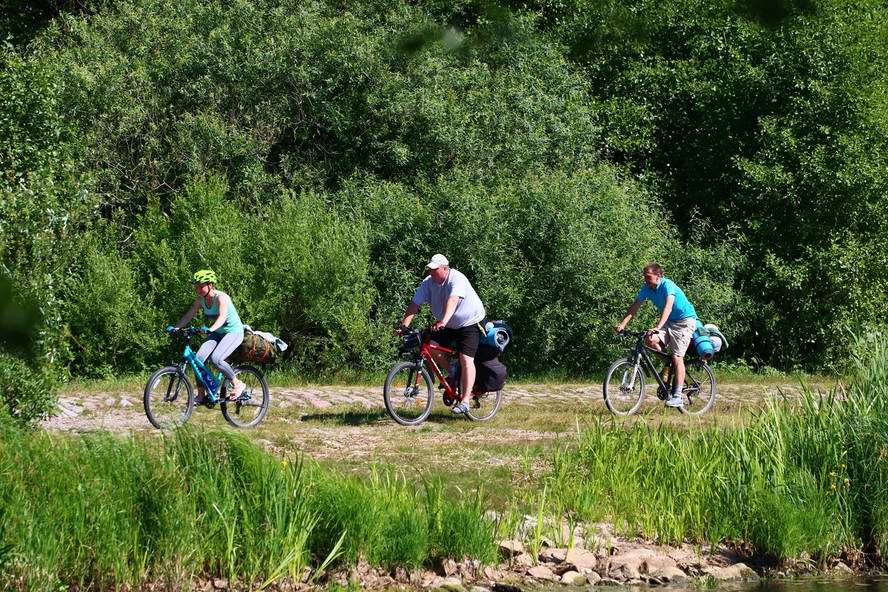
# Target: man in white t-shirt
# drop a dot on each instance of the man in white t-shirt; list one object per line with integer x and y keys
{"x": 459, "y": 310}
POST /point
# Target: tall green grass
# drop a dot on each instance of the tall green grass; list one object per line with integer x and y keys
{"x": 103, "y": 511}
{"x": 803, "y": 477}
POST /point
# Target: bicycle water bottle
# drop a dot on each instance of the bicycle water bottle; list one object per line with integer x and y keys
{"x": 208, "y": 379}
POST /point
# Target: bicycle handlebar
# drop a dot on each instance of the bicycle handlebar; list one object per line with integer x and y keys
{"x": 187, "y": 331}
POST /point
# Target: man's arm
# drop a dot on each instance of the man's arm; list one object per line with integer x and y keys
{"x": 633, "y": 308}
{"x": 449, "y": 309}
{"x": 664, "y": 316}
{"x": 409, "y": 314}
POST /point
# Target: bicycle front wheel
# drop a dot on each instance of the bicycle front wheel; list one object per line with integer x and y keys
{"x": 624, "y": 387}
{"x": 699, "y": 388}
{"x": 484, "y": 406}
{"x": 250, "y": 408}
{"x": 169, "y": 398}
{"x": 408, "y": 393}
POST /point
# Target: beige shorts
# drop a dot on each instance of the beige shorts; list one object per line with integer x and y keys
{"x": 677, "y": 335}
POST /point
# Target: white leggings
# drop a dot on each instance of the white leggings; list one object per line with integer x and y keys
{"x": 219, "y": 346}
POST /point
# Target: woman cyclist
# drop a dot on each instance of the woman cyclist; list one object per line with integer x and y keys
{"x": 226, "y": 330}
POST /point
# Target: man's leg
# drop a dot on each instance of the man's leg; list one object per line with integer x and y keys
{"x": 654, "y": 341}
{"x": 467, "y": 375}
{"x": 679, "y": 335}
{"x": 678, "y": 365}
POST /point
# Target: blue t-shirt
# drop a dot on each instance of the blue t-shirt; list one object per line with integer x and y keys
{"x": 681, "y": 308}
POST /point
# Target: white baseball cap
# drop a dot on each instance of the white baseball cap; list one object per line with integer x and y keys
{"x": 437, "y": 261}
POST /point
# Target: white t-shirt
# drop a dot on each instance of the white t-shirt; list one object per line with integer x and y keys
{"x": 469, "y": 309}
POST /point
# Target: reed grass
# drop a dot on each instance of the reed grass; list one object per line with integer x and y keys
{"x": 102, "y": 512}
{"x": 807, "y": 478}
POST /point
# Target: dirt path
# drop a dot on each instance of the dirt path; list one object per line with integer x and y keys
{"x": 347, "y": 425}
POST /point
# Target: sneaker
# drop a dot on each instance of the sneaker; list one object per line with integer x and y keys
{"x": 675, "y": 401}
{"x": 459, "y": 409}
{"x": 200, "y": 398}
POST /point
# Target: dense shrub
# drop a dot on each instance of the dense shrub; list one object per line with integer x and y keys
{"x": 27, "y": 391}
{"x": 316, "y": 164}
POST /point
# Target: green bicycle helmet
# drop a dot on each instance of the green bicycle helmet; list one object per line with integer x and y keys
{"x": 205, "y": 276}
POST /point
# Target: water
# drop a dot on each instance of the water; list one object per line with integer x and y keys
{"x": 817, "y": 585}
{"x": 878, "y": 584}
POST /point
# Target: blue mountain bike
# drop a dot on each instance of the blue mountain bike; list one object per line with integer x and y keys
{"x": 169, "y": 396}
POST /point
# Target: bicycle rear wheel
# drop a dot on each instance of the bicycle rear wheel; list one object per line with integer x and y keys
{"x": 168, "y": 398}
{"x": 408, "y": 393}
{"x": 699, "y": 388}
{"x": 624, "y": 387}
{"x": 484, "y": 406}
{"x": 251, "y": 407}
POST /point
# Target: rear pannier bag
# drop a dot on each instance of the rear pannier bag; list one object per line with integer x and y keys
{"x": 490, "y": 372}
{"x": 255, "y": 349}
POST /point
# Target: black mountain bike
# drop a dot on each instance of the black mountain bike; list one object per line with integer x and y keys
{"x": 624, "y": 383}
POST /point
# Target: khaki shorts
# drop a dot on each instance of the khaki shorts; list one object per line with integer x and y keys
{"x": 677, "y": 335}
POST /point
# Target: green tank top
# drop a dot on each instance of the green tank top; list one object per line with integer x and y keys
{"x": 232, "y": 324}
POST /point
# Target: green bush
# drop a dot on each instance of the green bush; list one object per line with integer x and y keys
{"x": 27, "y": 393}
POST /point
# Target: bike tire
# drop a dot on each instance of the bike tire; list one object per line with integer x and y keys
{"x": 489, "y": 404}
{"x": 165, "y": 408}
{"x": 620, "y": 401}
{"x": 405, "y": 400}
{"x": 696, "y": 403}
{"x": 249, "y": 409}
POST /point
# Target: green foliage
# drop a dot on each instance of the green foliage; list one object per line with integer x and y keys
{"x": 316, "y": 156}
{"x": 27, "y": 391}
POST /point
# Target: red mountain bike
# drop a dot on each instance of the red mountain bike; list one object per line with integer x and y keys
{"x": 408, "y": 389}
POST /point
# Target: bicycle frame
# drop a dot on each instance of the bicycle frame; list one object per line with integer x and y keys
{"x": 426, "y": 355}
{"x": 189, "y": 357}
{"x": 641, "y": 355}
{"x": 198, "y": 368}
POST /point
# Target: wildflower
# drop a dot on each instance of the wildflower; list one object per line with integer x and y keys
{"x": 847, "y": 481}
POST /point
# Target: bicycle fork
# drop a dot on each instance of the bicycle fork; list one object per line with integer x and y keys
{"x": 636, "y": 368}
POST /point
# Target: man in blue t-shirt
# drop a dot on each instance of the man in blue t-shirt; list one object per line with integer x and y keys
{"x": 678, "y": 321}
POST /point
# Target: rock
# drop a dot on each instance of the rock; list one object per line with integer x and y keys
{"x": 478, "y": 589}
{"x": 842, "y": 569}
{"x": 124, "y": 402}
{"x": 492, "y": 574}
{"x": 553, "y": 555}
{"x": 523, "y": 560}
{"x": 651, "y": 564}
{"x": 451, "y": 585}
{"x": 609, "y": 582}
{"x": 593, "y": 577}
{"x": 401, "y": 575}
{"x": 511, "y": 548}
{"x": 738, "y": 571}
{"x": 220, "y": 583}
{"x": 385, "y": 582}
{"x": 581, "y": 559}
{"x": 669, "y": 574}
{"x": 628, "y": 565}
{"x": 448, "y": 567}
{"x": 574, "y": 578}
{"x": 541, "y": 572}
{"x": 432, "y": 581}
